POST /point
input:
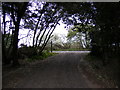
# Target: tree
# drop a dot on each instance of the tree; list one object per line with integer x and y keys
{"x": 43, "y": 20}
{"x": 16, "y": 12}
{"x": 107, "y": 28}
{"x": 107, "y": 43}
{"x": 57, "y": 41}
{"x": 106, "y": 25}
{"x": 80, "y": 34}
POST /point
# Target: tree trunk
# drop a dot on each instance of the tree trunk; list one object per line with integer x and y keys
{"x": 36, "y": 30}
{"x": 3, "y": 43}
{"x": 51, "y": 46}
{"x": 15, "y": 45}
{"x": 19, "y": 14}
{"x": 47, "y": 39}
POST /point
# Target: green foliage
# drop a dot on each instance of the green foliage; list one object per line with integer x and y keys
{"x": 44, "y": 54}
{"x": 71, "y": 33}
{"x": 26, "y": 52}
{"x": 81, "y": 34}
{"x": 106, "y": 37}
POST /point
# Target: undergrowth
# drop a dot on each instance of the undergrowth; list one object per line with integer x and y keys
{"x": 44, "y": 55}
{"x": 107, "y": 73}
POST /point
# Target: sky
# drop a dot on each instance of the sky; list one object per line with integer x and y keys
{"x": 60, "y": 29}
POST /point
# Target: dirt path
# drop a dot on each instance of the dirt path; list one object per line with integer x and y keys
{"x": 59, "y": 71}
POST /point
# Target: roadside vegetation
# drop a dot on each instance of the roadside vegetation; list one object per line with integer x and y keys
{"x": 106, "y": 73}
{"x": 29, "y": 55}
{"x": 44, "y": 55}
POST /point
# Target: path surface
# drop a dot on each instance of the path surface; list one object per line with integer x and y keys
{"x": 71, "y": 52}
{"x": 59, "y": 71}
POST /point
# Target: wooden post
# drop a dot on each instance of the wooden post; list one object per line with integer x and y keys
{"x": 51, "y": 46}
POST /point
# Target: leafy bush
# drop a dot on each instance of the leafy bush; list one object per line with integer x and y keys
{"x": 26, "y": 52}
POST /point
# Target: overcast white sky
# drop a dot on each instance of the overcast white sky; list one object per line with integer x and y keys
{"x": 60, "y": 29}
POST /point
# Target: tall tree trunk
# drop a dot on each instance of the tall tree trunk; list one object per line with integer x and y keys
{"x": 3, "y": 43}
{"x": 36, "y": 30}
{"x": 47, "y": 39}
{"x": 15, "y": 45}
{"x": 19, "y": 14}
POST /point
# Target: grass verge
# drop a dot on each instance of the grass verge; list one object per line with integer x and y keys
{"x": 105, "y": 74}
{"x": 45, "y": 54}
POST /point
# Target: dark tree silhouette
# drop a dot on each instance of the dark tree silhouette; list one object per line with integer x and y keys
{"x": 43, "y": 23}
{"x": 16, "y": 11}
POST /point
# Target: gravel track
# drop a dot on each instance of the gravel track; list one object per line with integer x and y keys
{"x": 59, "y": 71}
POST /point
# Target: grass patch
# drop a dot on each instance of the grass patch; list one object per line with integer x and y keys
{"x": 45, "y": 54}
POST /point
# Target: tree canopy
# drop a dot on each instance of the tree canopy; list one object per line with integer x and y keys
{"x": 97, "y": 22}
